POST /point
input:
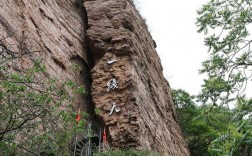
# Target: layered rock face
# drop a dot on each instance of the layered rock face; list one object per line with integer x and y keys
{"x": 128, "y": 74}
{"x": 53, "y": 27}
{"x": 126, "y": 71}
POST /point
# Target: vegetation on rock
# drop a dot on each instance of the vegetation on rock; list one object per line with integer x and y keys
{"x": 37, "y": 118}
{"x": 36, "y": 115}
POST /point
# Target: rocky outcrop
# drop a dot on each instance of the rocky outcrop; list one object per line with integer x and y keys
{"x": 146, "y": 120}
{"x": 55, "y": 28}
{"x": 122, "y": 51}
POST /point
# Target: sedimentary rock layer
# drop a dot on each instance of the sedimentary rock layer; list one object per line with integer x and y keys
{"x": 146, "y": 116}
{"x": 56, "y": 29}
{"x": 115, "y": 31}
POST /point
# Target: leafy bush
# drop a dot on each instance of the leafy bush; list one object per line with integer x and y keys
{"x": 126, "y": 153}
{"x": 36, "y": 115}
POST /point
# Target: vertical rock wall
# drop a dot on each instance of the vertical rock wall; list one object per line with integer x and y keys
{"x": 56, "y": 29}
{"x": 115, "y": 32}
{"x": 146, "y": 119}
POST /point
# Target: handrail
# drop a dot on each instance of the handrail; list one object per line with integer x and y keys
{"x": 91, "y": 131}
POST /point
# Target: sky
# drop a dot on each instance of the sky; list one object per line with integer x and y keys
{"x": 180, "y": 47}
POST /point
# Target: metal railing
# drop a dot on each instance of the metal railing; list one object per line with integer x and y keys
{"x": 87, "y": 142}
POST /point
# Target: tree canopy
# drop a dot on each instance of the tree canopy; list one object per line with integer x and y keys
{"x": 226, "y": 25}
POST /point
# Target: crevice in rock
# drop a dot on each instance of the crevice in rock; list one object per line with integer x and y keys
{"x": 59, "y": 63}
{"x": 68, "y": 41}
{"x": 87, "y": 47}
{"x": 6, "y": 25}
{"x": 128, "y": 25}
{"x": 86, "y": 81}
{"x": 34, "y": 23}
{"x": 89, "y": 65}
{"x": 45, "y": 15}
{"x": 43, "y": 1}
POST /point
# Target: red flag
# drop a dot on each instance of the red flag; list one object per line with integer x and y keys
{"x": 104, "y": 137}
{"x": 78, "y": 117}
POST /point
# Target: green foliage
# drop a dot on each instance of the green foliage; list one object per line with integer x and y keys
{"x": 226, "y": 24}
{"x": 214, "y": 130}
{"x": 36, "y": 116}
{"x": 197, "y": 132}
{"x": 98, "y": 111}
{"x": 185, "y": 107}
{"x": 236, "y": 139}
{"x": 126, "y": 153}
{"x": 75, "y": 66}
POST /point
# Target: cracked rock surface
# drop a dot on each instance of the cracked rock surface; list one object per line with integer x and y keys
{"x": 146, "y": 119}
{"x": 56, "y": 29}
{"x": 144, "y": 115}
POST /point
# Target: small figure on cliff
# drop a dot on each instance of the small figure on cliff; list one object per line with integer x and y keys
{"x": 114, "y": 108}
{"x": 112, "y": 84}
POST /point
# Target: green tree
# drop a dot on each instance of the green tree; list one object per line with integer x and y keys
{"x": 36, "y": 115}
{"x": 226, "y": 24}
{"x": 185, "y": 108}
{"x": 236, "y": 139}
{"x": 197, "y": 131}
{"x": 215, "y": 130}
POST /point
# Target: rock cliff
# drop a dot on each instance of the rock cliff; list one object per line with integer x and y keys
{"x": 110, "y": 41}
{"x": 146, "y": 119}
{"x": 56, "y": 28}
